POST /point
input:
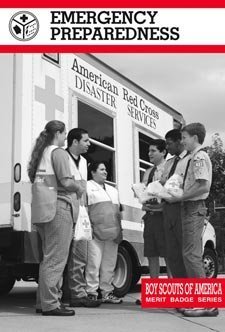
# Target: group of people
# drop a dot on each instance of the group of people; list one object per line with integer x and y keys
{"x": 75, "y": 270}
{"x": 173, "y": 227}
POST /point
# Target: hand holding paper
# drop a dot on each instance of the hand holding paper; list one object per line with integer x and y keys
{"x": 152, "y": 191}
{"x": 141, "y": 192}
{"x": 174, "y": 185}
{"x": 155, "y": 189}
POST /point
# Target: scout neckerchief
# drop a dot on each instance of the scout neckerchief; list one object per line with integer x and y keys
{"x": 172, "y": 170}
{"x": 151, "y": 174}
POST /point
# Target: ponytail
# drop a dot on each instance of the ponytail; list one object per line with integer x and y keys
{"x": 44, "y": 139}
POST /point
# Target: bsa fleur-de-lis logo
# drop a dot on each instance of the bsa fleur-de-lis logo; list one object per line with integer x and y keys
{"x": 23, "y": 26}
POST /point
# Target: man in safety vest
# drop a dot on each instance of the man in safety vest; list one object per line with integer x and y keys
{"x": 78, "y": 143}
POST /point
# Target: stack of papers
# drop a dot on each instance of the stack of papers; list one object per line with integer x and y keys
{"x": 155, "y": 189}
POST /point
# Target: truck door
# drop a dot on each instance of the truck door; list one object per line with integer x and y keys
{"x": 6, "y": 111}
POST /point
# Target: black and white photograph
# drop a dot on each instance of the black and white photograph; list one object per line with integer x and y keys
{"x": 112, "y": 171}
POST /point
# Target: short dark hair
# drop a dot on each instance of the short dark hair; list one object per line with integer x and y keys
{"x": 75, "y": 133}
{"x": 174, "y": 135}
{"x": 197, "y": 129}
{"x": 93, "y": 166}
{"x": 159, "y": 143}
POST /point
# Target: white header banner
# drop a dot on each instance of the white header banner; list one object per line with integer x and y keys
{"x": 107, "y": 26}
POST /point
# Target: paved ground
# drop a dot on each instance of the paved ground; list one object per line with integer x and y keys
{"x": 17, "y": 314}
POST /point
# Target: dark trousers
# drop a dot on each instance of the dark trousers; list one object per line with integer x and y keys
{"x": 173, "y": 237}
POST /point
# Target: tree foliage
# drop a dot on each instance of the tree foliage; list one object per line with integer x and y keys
{"x": 217, "y": 155}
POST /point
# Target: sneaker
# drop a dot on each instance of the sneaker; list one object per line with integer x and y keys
{"x": 38, "y": 311}
{"x": 181, "y": 310}
{"x": 201, "y": 312}
{"x": 111, "y": 298}
{"x": 85, "y": 302}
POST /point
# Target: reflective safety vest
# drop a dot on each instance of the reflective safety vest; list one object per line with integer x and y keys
{"x": 103, "y": 209}
{"x": 80, "y": 172}
{"x": 44, "y": 190}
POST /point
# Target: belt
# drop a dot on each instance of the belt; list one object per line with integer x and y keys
{"x": 153, "y": 212}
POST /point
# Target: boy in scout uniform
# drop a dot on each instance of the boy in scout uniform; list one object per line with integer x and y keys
{"x": 172, "y": 211}
{"x": 197, "y": 182}
{"x": 154, "y": 235}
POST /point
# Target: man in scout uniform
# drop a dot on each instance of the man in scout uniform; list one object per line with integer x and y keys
{"x": 197, "y": 182}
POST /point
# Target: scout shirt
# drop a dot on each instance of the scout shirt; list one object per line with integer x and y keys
{"x": 200, "y": 168}
{"x": 157, "y": 175}
{"x": 180, "y": 168}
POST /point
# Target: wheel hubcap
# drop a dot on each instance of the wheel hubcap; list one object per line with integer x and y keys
{"x": 120, "y": 272}
{"x": 209, "y": 266}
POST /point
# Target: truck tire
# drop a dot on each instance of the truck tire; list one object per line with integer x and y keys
{"x": 123, "y": 273}
{"x": 135, "y": 277}
{"x": 7, "y": 280}
{"x": 210, "y": 263}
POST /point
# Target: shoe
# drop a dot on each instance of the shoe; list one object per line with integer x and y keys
{"x": 111, "y": 298}
{"x": 59, "y": 312}
{"x": 63, "y": 305}
{"x": 181, "y": 310}
{"x": 201, "y": 312}
{"x": 85, "y": 302}
{"x": 138, "y": 302}
{"x": 39, "y": 311}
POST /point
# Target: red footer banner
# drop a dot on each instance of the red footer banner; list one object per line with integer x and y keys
{"x": 183, "y": 293}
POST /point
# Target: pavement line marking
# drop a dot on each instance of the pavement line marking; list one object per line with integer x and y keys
{"x": 195, "y": 323}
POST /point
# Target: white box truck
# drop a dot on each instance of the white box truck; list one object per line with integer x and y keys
{"x": 121, "y": 118}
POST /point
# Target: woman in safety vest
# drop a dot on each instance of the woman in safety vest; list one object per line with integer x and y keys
{"x": 53, "y": 211}
{"x": 104, "y": 213}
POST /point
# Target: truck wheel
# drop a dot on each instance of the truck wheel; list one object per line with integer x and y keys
{"x": 123, "y": 273}
{"x": 7, "y": 280}
{"x": 135, "y": 276}
{"x": 210, "y": 263}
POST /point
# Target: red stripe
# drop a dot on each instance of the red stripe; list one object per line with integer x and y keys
{"x": 182, "y": 293}
{"x": 112, "y": 49}
{"x": 113, "y": 4}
